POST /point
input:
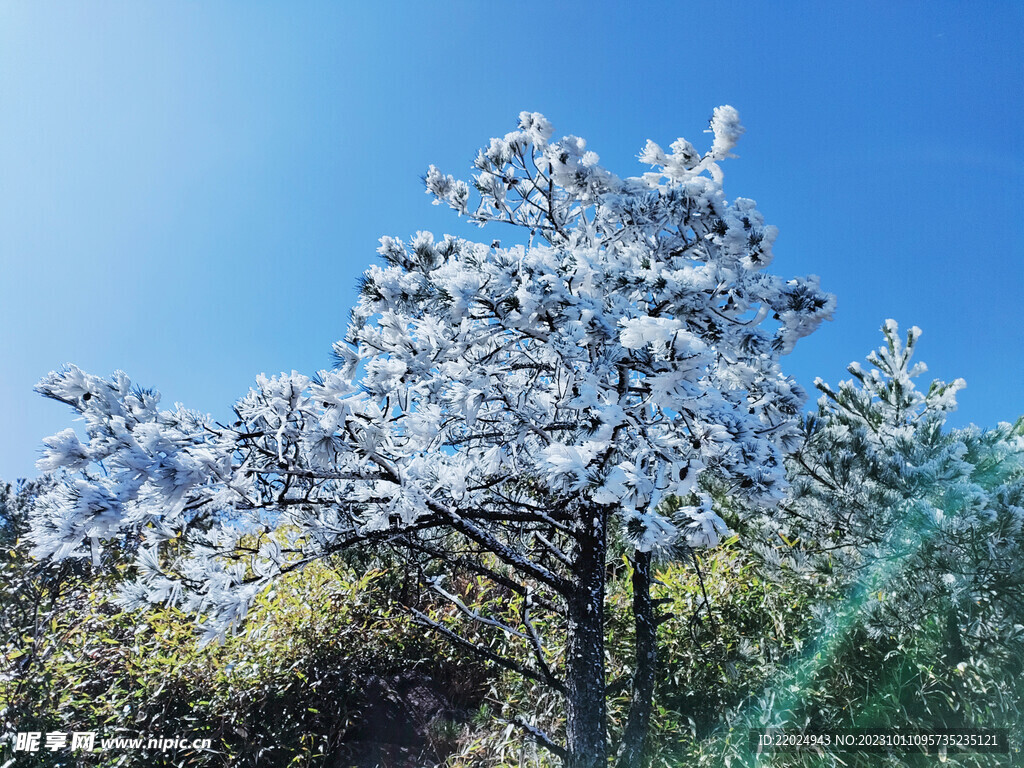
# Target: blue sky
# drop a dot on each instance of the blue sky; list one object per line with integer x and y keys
{"x": 188, "y": 191}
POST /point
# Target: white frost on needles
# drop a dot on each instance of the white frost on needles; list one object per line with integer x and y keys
{"x": 631, "y": 346}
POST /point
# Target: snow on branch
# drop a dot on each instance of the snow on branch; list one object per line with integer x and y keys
{"x": 506, "y": 395}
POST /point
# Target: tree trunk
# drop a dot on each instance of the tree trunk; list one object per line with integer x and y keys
{"x": 585, "y": 699}
{"x": 634, "y": 739}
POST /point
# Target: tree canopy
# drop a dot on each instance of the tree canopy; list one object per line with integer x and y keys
{"x": 500, "y": 409}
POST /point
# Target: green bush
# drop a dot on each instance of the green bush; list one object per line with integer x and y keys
{"x": 293, "y": 692}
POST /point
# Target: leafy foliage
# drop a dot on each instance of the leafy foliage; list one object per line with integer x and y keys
{"x": 304, "y": 690}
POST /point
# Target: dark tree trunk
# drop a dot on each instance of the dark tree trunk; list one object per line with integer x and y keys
{"x": 634, "y": 739}
{"x": 585, "y": 699}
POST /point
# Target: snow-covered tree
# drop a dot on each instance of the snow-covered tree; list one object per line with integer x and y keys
{"x": 502, "y": 410}
{"x": 916, "y": 522}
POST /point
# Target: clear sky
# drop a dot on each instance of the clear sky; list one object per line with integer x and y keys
{"x": 188, "y": 191}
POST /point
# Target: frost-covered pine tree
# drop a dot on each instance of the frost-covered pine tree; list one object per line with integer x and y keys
{"x": 521, "y": 402}
{"x": 917, "y": 523}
